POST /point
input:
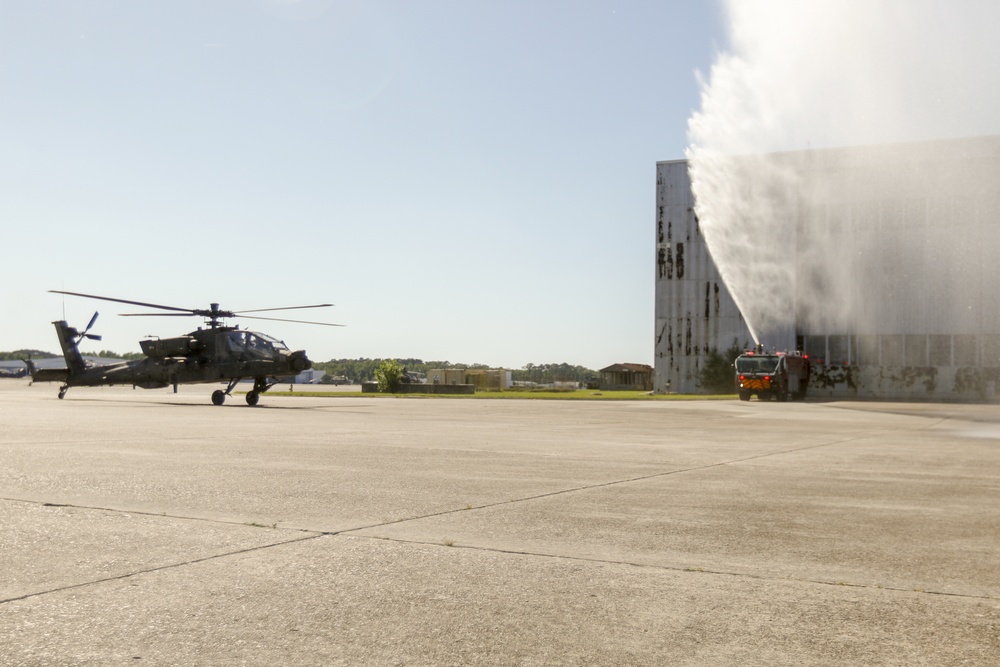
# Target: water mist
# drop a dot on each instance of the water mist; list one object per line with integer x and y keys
{"x": 824, "y": 195}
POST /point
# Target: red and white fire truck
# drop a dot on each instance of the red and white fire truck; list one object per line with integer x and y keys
{"x": 779, "y": 375}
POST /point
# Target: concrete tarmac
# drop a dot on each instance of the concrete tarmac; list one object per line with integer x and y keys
{"x": 152, "y": 528}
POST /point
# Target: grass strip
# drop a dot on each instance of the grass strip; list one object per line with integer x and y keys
{"x": 575, "y": 395}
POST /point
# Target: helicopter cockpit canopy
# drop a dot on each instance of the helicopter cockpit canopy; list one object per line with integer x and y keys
{"x": 256, "y": 345}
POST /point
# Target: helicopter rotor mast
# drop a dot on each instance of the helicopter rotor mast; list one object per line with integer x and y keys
{"x": 213, "y": 314}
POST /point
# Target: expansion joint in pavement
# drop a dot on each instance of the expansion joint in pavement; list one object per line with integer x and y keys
{"x": 588, "y": 487}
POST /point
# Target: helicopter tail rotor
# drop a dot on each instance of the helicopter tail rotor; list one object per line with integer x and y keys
{"x": 85, "y": 334}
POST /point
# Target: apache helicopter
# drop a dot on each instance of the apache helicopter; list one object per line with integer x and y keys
{"x": 216, "y": 354}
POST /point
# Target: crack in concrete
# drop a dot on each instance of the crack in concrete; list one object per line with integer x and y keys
{"x": 159, "y": 568}
{"x": 686, "y": 569}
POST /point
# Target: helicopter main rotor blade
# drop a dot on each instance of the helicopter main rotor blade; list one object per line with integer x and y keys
{"x": 214, "y": 314}
{"x": 261, "y": 310}
{"x": 134, "y": 303}
{"x": 278, "y": 319}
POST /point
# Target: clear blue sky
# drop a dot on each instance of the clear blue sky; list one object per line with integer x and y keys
{"x": 468, "y": 181}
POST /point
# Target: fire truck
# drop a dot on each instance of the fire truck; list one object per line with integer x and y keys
{"x": 779, "y": 375}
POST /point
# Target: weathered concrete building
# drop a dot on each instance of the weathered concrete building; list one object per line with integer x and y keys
{"x": 889, "y": 271}
{"x": 695, "y": 312}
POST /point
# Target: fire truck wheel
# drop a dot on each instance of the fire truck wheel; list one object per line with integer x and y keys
{"x": 744, "y": 395}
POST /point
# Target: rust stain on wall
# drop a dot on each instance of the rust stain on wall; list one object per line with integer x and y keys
{"x": 828, "y": 377}
{"x": 665, "y": 263}
{"x": 697, "y": 223}
{"x": 970, "y": 382}
{"x": 680, "y": 260}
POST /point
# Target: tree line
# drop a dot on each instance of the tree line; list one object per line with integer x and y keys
{"x": 18, "y": 355}
{"x": 363, "y": 369}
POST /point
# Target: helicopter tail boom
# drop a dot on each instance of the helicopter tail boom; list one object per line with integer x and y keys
{"x": 45, "y": 374}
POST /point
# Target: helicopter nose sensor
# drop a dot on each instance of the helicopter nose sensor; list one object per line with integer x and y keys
{"x": 300, "y": 362}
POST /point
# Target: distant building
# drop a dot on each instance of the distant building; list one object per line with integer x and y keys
{"x": 627, "y": 377}
{"x": 489, "y": 380}
{"x": 13, "y": 369}
{"x": 311, "y": 376}
{"x": 493, "y": 379}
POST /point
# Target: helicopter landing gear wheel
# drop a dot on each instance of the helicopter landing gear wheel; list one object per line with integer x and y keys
{"x": 252, "y": 398}
{"x": 62, "y": 392}
{"x": 218, "y": 397}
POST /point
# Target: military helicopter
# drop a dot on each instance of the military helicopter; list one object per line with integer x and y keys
{"x": 216, "y": 354}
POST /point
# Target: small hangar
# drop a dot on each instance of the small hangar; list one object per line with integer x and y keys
{"x": 627, "y": 377}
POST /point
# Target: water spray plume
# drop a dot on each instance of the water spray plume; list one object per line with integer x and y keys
{"x": 774, "y": 170}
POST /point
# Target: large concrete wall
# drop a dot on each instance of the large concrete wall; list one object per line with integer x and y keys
{"x": 917, "y": 228}
{"x": 695, "y": 313}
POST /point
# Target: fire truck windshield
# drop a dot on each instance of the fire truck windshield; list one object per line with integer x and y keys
{"x": 757, "y": 364}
